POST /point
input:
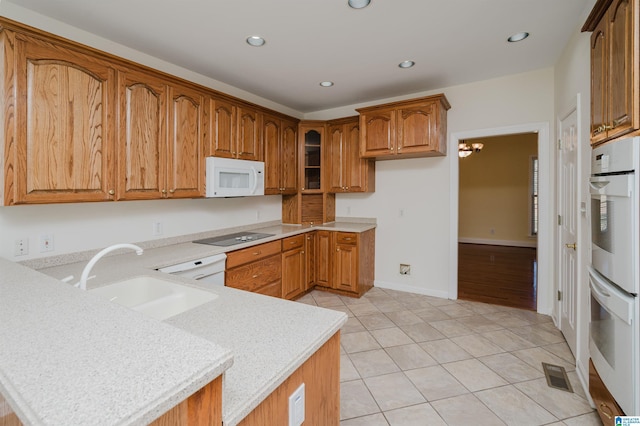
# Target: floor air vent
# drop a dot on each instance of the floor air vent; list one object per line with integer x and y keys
{"x": 556, "y": 377}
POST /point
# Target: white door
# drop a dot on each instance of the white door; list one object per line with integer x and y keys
{"x": 567, "y": 222}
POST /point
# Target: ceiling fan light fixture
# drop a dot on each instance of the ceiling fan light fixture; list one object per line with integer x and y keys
{"x": 518, "y": 37}
{"x": 255, "y": 41}
{"x": 326, "y": 83}
{"x": 358, "y": 4}
{"x": 406, "y": 64}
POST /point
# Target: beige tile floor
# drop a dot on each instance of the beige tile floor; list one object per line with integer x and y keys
{"x": 409, "y": 359}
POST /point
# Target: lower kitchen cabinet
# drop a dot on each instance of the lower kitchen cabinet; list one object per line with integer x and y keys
{"x": 293, "y": 266}
{"x": 257, "y": 269}
{"x": 321, "y": 377}
{"x": 606, "y": 405}
{"x": 323, "y": 258}
{"x": 341, "y": 262}
{"x": 202, "y": 408}
{"x": 310, "y": 248}
{"x": 345, "y": 262}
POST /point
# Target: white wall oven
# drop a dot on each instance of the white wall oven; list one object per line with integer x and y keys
{"x": 613, "y": 276}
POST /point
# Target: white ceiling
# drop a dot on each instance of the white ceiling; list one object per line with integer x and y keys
{"x": 452, "y": 41}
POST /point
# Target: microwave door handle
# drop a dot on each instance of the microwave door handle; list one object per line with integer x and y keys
{"x": 255, "y": 180}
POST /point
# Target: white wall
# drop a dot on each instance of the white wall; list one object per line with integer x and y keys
{"x": 421, "y": 187}
{"x": 572, "y": 75}
{"x": 87, "y": 226}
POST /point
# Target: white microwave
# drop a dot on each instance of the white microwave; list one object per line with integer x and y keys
{"x": 227, "y": 177}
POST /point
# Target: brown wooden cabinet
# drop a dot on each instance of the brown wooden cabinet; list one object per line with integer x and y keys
{"x": 294, "y": 264}
{"x": 185, "y": 163}
{"x": 58, "y": 134}
{"x": 257, "y": 268}
{"x": 311, "y": 250}
{"x": 236, "y": 130}
{"x": 324, "y": 258}
{"x": 345, "y": 261}
{"x": 605, "y": 404}
{"x": 346, "y": 171}
{"x": 249, "y": 137}
{"x": 311, "y": 156}
{"x": 161, "y": 135}
{"x": 413, "y": 128}
{"x": 142, "y": 133}
{"x": 615, "y": 67}
{"x": 345, "y": 271}
{"x": 280, "y": 139}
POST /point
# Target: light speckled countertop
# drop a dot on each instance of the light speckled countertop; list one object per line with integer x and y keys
{"x": 103, "y": 353}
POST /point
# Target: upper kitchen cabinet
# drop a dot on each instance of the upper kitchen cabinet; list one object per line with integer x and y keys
{"x": 615, "y": 77}
{"x": 413, "y": 128}
{"x": 236, "y": 130}
{"x": 346, "y": 170}
{"x": 58, "y": 138}
{"x": 280, "y": 139}
{"x": 142, "y": 132}
{"x": 185, "y": 164}
{"x": 311, "y": 141}
{"x": 160, "y": 149}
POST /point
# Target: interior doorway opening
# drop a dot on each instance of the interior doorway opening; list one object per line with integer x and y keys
{"x": 498, "y": 220}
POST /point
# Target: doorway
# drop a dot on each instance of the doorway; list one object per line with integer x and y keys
{"x": 498, "y": 220}
{"x": 546, "y": 206}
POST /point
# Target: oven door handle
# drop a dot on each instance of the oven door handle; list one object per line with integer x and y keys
{"x": 599, "y": 290}
{"x": 598, "y": 185}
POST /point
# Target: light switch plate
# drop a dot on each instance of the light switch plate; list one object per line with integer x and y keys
{"x": 296, "y": 407}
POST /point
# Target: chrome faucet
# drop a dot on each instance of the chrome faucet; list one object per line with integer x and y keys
{"x": 82, "y": 284}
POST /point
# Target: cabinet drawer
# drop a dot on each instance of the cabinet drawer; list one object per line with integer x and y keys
{"x": 256, "y": 274}
{"x": 273, "y": 289}
{"x": 293, "y": 242}
{"x": 346, "y": 238}
{"x": 240, "y": 257}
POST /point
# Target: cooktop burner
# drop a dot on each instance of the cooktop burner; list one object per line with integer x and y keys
{"x": 232, "y": 239}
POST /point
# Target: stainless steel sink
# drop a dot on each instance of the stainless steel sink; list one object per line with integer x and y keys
{"x": 154, "y": 297}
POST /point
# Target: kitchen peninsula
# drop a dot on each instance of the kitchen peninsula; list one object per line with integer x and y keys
{"x": 72, "y": 357}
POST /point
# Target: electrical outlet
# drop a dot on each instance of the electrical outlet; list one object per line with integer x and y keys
{"x": 21, "y": 247}
{"x": 401, "y": 212}
{"x": 46, "y": 243}
{"x": 296, "y": 407}
{"x": 157, "y": 229}
{"x": 405, "y": 269}
{"x": 348, "y": 210}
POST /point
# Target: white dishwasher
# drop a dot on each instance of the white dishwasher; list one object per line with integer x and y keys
{"x": 207, "y": 270}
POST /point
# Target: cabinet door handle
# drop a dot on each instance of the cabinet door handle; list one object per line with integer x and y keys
{"x": 619, "y": 121}
{"x": 164, "y": 191}
{"x": 172, "y": 191}
{"x": 255, "y": 276}
{"x": 111, "y": 192}
{"x": 604, "y": 406}
{"x": 257, "y": 253}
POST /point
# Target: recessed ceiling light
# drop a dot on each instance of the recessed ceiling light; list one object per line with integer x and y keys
{"x": 406, "y": 64}
{"x": 359, "y": 4}
{"x": 256, "y": 41}
{"x": 518, "y": 37}
{"x": 326, "y": 83}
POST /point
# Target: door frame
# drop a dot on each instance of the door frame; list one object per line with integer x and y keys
{"x": 557, "y": 308}
{"x": 547, "y": 206}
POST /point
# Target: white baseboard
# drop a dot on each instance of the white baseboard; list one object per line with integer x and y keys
{"x": 533, "y": 243}
{"x": 411, "y": 289}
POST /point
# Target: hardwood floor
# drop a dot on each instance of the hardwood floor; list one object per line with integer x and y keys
{"x": 499, "y": 275}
